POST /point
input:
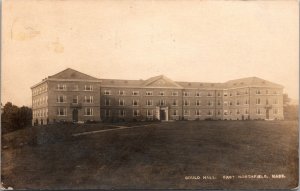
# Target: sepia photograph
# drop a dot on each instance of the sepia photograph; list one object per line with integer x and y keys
{"x": 149, "y": 94}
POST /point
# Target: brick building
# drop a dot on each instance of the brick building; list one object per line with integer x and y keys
{"x": 74, "y": 96}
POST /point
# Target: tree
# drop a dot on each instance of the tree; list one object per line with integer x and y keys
{"x": 13, "y": 117}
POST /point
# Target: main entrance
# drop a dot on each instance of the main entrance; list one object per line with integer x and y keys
{"x": 162, "y": 113}
{"x": 75, "y": 115}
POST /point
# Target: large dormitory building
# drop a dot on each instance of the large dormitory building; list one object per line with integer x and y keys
{"x": 73, "y": 96}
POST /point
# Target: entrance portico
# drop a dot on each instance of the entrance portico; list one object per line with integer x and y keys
{"x": 162, "y": 113}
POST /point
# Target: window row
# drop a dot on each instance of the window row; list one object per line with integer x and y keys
{"x": 40, "y": 113}
{"x": 39, "y": 90}
{"x": 274, "y": 101}
{"x": 266, "y": 91}
{"x": 107, "y": 102}
{"x": 63, "y": 87}
{"x": 175, "y": 112}
{"x": 62, "y": 111}
{"x": 161, "y": 93}
{"x": 75, "y": 100}
{"x": 40, "y": 101}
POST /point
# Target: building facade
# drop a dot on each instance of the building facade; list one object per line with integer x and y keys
{"x": 74, "y": 96}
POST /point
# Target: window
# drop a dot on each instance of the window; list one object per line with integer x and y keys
{"x": 246, "y": 91}
{"x": 75, "y": 88}
{"x": 210, "y": 112}
{"x": 88, "y": 88}
{"x": 209, "y": 94}
{"x": 257, "y": 91}
{"x": 237, "y": 102}
{"x": 225, "y": 112}
{"x": 275, "y": 111}
{"x": 175, "y": 102}
{"x": 107, "y": 92}
{"x": 136, "y": 113}
{"x": 258, "y": 111}
{"x": 274, "y": 92}
{"x": 161, "y": 93}
{"x": 149, "y": 93}
{"x": 198, "y": 112}
{"x": 121, "y": 102}
{"x": 230, "y": 102}
{"x": 175, "y": 112}
{"x": 122, "y": 113}
{"x": 107, "y": 113}
{"x": 246, "y": 111}
{"x": 275, "y": 101}
{"x": 88, "y": 99}
{"x": 149, "y": 102}
{"x": 162, "y": 102}
{"x": 62, "y": 111}
{"x": 198, "y": 102}
{"x": 135, "y": 93}
{"x": 219, "y": 112}
{"x": 75, "y": 99}
{"x": 60, "y": 99}
{"x": 230, "y": 94}
{"x": 186, "y": 94}
{"x": 219, "y": 102}
{"x": 186, "y": 112}
{"x": 135, "y": 102}
{"x": 225, "y": 103}
{"x": 237, "y": 93}
{"x": 267, "y": 91}
{"x": 198, "y": 94}
{"x": 267, "y": 101}
{"x": 88, "y": 111}
{"x": 174, "y": 93}
{"x": 149, "y": 113}
{"x": 121, "y": 92}
{"x": 225, "y": 94}
{"x": 210, "y": 103}
{"x": 186, "y": 102}
{"x": 107, "y": 102}
{"x": 257, "y": 101}
{"x": 61, "y": 87}
{"x": 219, "y": 94}
{"x": 246, "y": 102}
{"x": 237, "y": 111}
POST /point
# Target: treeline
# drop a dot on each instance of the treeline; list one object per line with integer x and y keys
{"x": 14, "y": 117}
{"x": 290, "y": 112}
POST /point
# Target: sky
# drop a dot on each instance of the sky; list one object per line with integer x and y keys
{"x": 197, "y": 41}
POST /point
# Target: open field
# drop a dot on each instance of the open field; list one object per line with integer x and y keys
{"x": 158, "y": 155}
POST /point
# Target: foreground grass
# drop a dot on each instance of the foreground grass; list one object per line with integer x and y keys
{"x": 156, "y": 156}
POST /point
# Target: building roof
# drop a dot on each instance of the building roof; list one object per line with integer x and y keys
{"x": 72, "y": 74}
{"x": 162, "y": 81}
{"x": 251, "y": 81}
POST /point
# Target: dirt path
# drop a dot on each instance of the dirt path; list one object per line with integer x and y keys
{"x": 105, "y": 130}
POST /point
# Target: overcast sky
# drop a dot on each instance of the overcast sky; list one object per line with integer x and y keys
{"x": 203, "y": 41}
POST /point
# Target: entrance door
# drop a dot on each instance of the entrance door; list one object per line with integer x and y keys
{"x": 267, "y": 113}
{"x": 75, "y": 115}
{"x": 162, "y": 115}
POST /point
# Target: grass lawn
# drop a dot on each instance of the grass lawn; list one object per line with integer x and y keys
{"x": 159, "y": 155}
